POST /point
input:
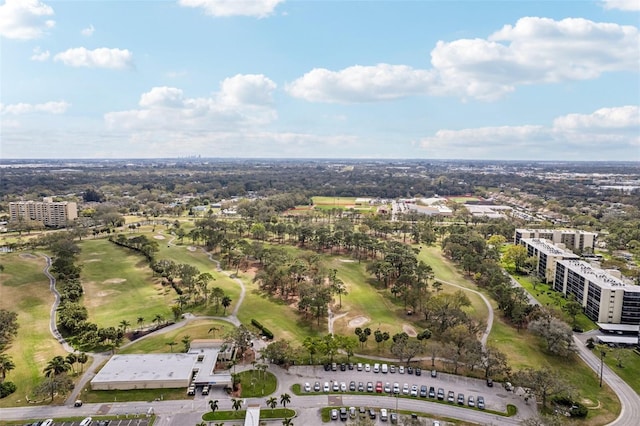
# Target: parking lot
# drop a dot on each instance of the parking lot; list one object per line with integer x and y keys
{"x": 98, "y": 422}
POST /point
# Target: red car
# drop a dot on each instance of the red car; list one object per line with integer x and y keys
{"x": 379, "y": 387}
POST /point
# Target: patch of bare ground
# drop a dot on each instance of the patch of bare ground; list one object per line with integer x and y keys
{"x": 409, "y": 330}
{"x": 358, "y": 321}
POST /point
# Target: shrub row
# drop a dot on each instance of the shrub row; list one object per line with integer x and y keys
{"x": 264, "y": 330}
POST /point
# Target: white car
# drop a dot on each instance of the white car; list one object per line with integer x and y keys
{"x": 401, "y": 369}
{"x": 414, "y": 390}
{"x": 343, "y": 387}
{"x": 405, "y": 389}
{"x": 376, "y": 368}
{"x": 359, "y": 367}
{"x": 307, "y": 387}
{"x": 396, "y": 388}
{"x": 384, "y": 368}
{"x": 334, "y": 414}
{"x": 336, "y": 386}
{"x": 326, "y": 387}
{"x": 367, "y": 368}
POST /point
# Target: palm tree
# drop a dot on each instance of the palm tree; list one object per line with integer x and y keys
{"x": 213, "y": 404}
{"x": 171, "y": 345}
{"x": 226, "y": 302}
{"x": 201, "y": 424}
{"x": 71, "y": 359}
{"x": 186, "y": 340}
{"x": 124, "y": 325}
{"x": 56, "y": 366}
{"x": 285, "y": 398}
{"x": 82, "y": 358}
{"x": 272, "y": 402}
{"x": 236, "y": 404}
{"x": 6, "y": 365}
{"x": 287, "y": 422}
{"x": 140, "y": 322}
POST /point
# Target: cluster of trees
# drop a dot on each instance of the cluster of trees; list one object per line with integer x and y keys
{"x": 8, "y": 331}
{"x": 56, "y": 374}
{"x": 140, "y": 243}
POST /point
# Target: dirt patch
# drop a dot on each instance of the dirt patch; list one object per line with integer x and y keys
{"x": 346, "y": 260}
{"x": 159, "y": 237}
{"x": 114, "y": 281}
{"x": 27, "y": 256}
{"x": 358, "y": 321}
{"x": 191, "y": 248}
{"x": 409, "y": 330}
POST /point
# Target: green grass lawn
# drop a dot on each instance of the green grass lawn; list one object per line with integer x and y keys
{"x": 549, "y": 297}
{"x": 25, "y": 289}
{"x": 257, "y": 384}
{"x": 195, "y": 330}
{"x": 119, "y": 285}
{"x": 265, "y": 413}
{"x": 526, "y": 350}
{"x": 630, "y": 366}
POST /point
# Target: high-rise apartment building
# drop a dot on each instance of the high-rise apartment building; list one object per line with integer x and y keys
{"x": 573, "y": 239}
{"x": 605, "y": 298}
{"x": 547, "y": 254}
{"x": 50, "y": 213}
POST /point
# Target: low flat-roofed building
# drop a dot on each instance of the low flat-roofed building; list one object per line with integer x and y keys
{"x": 146, "y": 371}
{"x": 619, "y": 328}
{"x": 617, "y": 340}
{"x": 159, "y": 371}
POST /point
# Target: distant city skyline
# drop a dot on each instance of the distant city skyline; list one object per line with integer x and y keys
{"x": 474, "y": 79}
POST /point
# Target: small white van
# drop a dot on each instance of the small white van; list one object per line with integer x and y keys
{"x": 385, "y": 368}
{"x": 86, "y": 421}
{"x": 383, "y": 414}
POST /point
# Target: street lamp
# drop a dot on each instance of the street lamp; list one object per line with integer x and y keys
{"x": 602, "y": 355}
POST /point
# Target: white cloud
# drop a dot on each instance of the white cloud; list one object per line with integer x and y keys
{"x": 627, "y": 5}
{"x": 361, "y": 84}
{"x": 533, "y": 51}
{"x": 25, "y": 19}
{"x": 242, "y": 99}
{"x": 225, "y": 8}
{"x": 88, "y": 32}
{"x": 53, "y": 107}
{"x": 98, "y": 58}
{"x": 606, "y": 128}
{"x": 39, "y": 55}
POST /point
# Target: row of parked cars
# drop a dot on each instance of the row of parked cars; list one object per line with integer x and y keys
{"x": 413, "y": 390}
{"x": 343, "y": 413}
{"x": 87, "y": 421}
{"x": 376, "y": 368}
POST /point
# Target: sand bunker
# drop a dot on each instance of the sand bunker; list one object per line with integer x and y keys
{"x": 114, "y": 281}
{"x": 92, "y": 260}
{"x": 358, "y": 321}
{"x": 347, "y": 260}
{"x": 191, "y": 248}
{"x": 411, "y": 332}
{"x": 27, "y": 256}
{"x": 159, "y": 237}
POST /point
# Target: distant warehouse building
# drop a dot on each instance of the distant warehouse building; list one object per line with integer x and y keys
{"x": 50, "y": 213}
{"x": 604, "y": 297}
{"x": 573, "y": 239}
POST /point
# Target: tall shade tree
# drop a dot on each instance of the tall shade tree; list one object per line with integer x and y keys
{"x": 6, "y": 365}
{"x": 56, "y": 366}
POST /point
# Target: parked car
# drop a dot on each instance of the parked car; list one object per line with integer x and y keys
{"x": 352, "y": 412}
{"x": 362, "y": 412}
{"x": 343, "y": 367}
{"x": 372, "y": 413}
{"x": 423, "y": 391}
{"x": 378, "y": 387}
{"x": 78, "y": 403}
{"x": 326, "y": 387}
{"x": 414, "y": 390}
{"x": 393, "y": 418}
{"x": 384, "y": 368}
{"x": 401, "y": 369}
{"x": 490, "y": 383}
{"x": 508, "y": 386}
{"x": 367, "y": 368}
{"x": 343, "y": 387}
{"x": 336, "y": 386}
{"x": 432, "y": 392}
{"x": 461, "y": 398}
{"x": 451, "y": 397}
{"x": 383, "y": 415}
{"x": 343, "y": 414}
{"x": 392, "y": 368}
{"x": 471, "y": 401}
{"x": 360, "y": 387}
{"x": 327, "y": 367}
{"x": 307, "y": 388}
{"x": 334, "y": 414}
{"x": 350, "y": 366}
{"x": 316, "y": 387}
{"x": 434, "y": 373}
{"x": 369, "y": 386}
{"x": 359, "y": 366}
{"x": 396, "y": 388}
{"x": 418, "y": 371}
{"x": 352, "y": 386}
{"x": 387, "y": 387}
{"x": 334, "y": 366}
{"x": 409, "y": 370}
{"x": 47, "y": 422}
{"x": 481, "y": 402}
{"x": 376, "y": 368}
{"x": 440, "y": 394}
{"x": 86, "y": 421}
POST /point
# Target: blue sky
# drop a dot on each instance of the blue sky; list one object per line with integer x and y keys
{"x": 510, "y": 79}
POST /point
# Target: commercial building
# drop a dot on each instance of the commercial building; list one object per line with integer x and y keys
{"x": 50, "y": 213}
{"x": 547, "y": 256}
{"x": 163, "y": 371}
{"x": 604, "y": 297}
{"x": 573, "y": 239}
